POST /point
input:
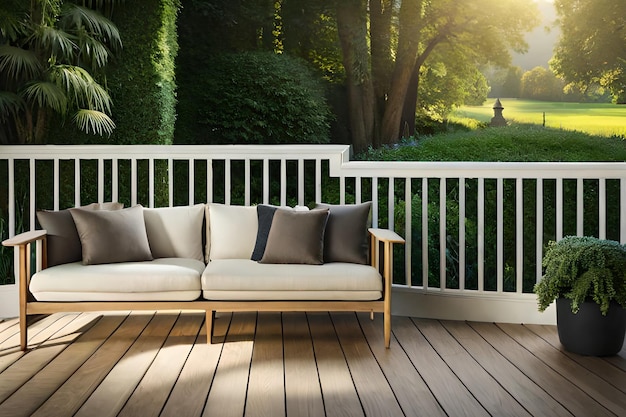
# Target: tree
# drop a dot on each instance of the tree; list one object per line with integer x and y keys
{"x": 50, "y": 51}
{"x": 592, "y": 47}
{"x": 541, "y": 84}
{"x": 403, "y": 36}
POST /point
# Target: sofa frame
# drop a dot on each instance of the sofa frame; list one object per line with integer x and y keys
{"x": 29, "y": 307}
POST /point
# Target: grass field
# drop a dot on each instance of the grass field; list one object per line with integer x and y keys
{"x": 595, "y": 118}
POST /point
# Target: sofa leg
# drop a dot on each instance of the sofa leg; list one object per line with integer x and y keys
{"x": 210, "y": 318}
{"x": 387, "y": 330}
{"x": 372, "y": 315}
{"x": 23, "y": 332}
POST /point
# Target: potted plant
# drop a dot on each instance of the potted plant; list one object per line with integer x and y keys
{"x": 587, "y": 278}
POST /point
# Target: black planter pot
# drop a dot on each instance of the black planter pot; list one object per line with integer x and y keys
{"x": 588, "y": 332}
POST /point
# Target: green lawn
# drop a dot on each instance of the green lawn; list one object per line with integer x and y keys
{"x": 595, "y": 118}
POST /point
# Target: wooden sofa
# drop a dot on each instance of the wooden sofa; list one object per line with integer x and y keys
{"x": 212, "y": 280}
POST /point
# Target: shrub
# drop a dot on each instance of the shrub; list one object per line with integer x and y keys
{"x": 253, "y": 97}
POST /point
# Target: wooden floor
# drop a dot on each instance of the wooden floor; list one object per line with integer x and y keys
{"x": 296, "y": 364}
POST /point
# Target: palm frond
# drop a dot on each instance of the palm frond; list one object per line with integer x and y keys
{"x": 57, "y": 41}
{"x": 93, "y": 121}
{"x": 95, "y": 51}
{"x": 10, "y": 104}
{"x": 73, "y": 79}
{"x": 47, "y": 94}
{"x": 18, "y": 63}
{"x": 95, "y": 24}
{"x": 11, "y": 22}
{"x": 97, "y": 97}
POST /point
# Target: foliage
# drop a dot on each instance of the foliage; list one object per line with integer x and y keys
{"x": 50, "y": 54}
{"x": 522, "y": 143}
{"x": 254, "y": 97}
{"x": 582, "y": 267}
{"x": 142, "y": 82}
{"x": 541, "y": 84}
{"x": 592, "y": 47}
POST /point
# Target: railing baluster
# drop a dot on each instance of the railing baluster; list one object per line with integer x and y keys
{"x": 77, "y": 182}
{"x": 602, "y": 209}
{"x": 539, "y": 228}
{"x": 192, "y": 181}
{"x": 266, "y": 181}
{"x": 100, "y": 180}
{"x": 357, "y": 190}
{"x": 170, "y": 182}
{"x": 133, "y": 182}
{"x": 559, "y": 208}
{"x": 151, "y": 182}
{"x": 227, "y": 182}
{"x": 500, "y": 234}
{"x": 115, "y": 186}
{"x": 425, "y": 265}
{"x": 622, "y": 204}
{"x": 442, "y": 234}
{"x": 33, "y": 198}
{"x": 580, "y": 207}
{"x": 391, "y": 204}
{"x": 56, "y": 180}
{"x": 519, "y": 234}
{"x": 408, "y": 217}
{"x": 283, "y": 182}
{"x": 342, "y": 190}
{"x": 209, "y": 181}
{"x": 318, "y": 180}
{"x": 300, "y": 182}
{"x": 247, "y": 181}
{"x": 461, "y": 233}
{"x": 374, "y": 201}
{"x": 481, "y": 234}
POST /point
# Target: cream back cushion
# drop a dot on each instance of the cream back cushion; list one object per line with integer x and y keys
{"x": 175, "y": 232}
{"x": 231, "y": 231}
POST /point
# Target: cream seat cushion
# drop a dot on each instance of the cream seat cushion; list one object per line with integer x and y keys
{"x": 164, "y": 279}
{"x": 244, "y": 279}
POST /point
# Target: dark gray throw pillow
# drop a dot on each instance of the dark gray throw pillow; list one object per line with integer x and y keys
{"x": 266, "y": 215}
{"x": 63, "y": 240}
{"x": 112, "y": 236}
{"x": 296, "y": 237}
{"x": 345, "y": 239}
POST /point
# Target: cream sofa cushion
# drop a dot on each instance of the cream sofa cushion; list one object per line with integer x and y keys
{"x": 232, "y": 231}
{"x": 175, "y": 279}
{"x": 244, "y": 279}
{"x": 175, "y": 232}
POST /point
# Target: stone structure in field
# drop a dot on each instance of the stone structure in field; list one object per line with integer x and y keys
{"x": 497, "y": 119}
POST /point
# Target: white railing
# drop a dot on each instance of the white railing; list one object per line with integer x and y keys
{"x": 486, "y": 223}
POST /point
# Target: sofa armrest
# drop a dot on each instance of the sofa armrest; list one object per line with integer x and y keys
{"x": 386, "y": 235}
{"x": 25, "y": 238}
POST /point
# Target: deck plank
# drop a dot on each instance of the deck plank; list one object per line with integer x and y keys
{"x": 479, "y": 382}
{"x": 266, "y": 387}
{"x": 600, "y": 366}
{"x": 188, "y": 397}
{"x": 376, "y": 396}
{"x": 152, "y": 392}
{"x": 54, "y": 329}
{"x": 414, "y": 396}
{"x": 75, "y": 391}
{"x": 39, "y": 388}
{"x": 228, "y": 392}
{"x": 340, "y": 396}
{"x": 597, "y": 388}
{"x": 303, "y": 394}
{"x": 114, "y": 390}
{"x": 559, "y": 387}
{"x": 526, "y": 392}
{"x": 50, "y": 342}
{"x": 453, "y": 396}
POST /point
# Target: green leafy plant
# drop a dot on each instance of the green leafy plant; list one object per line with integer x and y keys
{"x": 582, "y": 267}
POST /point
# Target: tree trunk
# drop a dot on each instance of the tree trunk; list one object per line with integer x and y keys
{"x": 352, "y": 28}
{"x": 408, "y": 45}
{"x": 382, "y": 60}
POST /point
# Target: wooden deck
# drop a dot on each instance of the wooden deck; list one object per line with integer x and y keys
{"x": 296, "y": 364}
